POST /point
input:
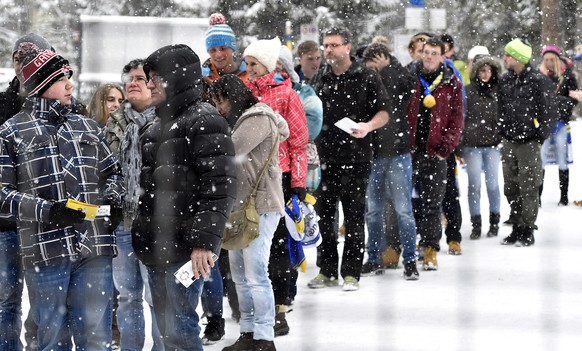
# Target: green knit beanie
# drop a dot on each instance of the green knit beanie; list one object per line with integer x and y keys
{"x": 518, "y": 50}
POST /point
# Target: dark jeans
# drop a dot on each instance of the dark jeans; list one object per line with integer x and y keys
{"x": 279, "y": 264}
{"x": 348, "y": 183}
{"x": 451, "y": 205}
{"x": 428, "y": 178}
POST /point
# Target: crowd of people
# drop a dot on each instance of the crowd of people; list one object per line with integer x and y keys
{"x": 159, "y": 160}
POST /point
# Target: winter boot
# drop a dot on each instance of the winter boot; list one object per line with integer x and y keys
{"x": 476, "y": 232}
{"x": 564, "y": 176}
{"x": 390, "y": 257}
{"x": 263, "y": 345}
{"x": 281, "y": 326}
{"x": 493, "y": 224}
{"x": 526, "y": 238}
{"x": 214, "y": 331}
{"x": 513, "y": 237}
{"x": 243, "y": 343}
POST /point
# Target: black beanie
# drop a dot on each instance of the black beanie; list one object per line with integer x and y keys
{"x": 41, "y": 70}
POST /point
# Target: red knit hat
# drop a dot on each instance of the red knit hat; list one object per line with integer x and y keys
{"x": 41, "y": 70}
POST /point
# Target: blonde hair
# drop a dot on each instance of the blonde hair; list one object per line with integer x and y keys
{"x": 556, "y": 68}
{"x": 97, "y": 106}
{"x": 380, "y": 39}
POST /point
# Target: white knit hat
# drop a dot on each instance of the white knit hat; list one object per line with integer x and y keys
{"x": 477, "y": 50}
{"x": 265, "y": 51}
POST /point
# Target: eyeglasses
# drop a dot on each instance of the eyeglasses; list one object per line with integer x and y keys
{"x": 431, "y": 53}
{"x": 156, "y": 79}
{"x": 332, "y": 45}
{"x": 126, "y": 78}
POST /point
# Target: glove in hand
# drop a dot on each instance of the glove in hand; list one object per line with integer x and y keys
{"x": 61, "y": 216}
{"x": 300, "y": 192}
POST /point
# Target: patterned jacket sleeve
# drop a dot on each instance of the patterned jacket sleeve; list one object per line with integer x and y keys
{"x": 297, "y": 141}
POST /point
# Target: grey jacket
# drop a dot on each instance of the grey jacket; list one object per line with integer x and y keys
{"x": 253, "y": 135}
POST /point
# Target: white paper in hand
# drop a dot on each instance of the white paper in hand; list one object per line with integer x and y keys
{"x": 347, "y": 125}
{"x": 185, "y": 274}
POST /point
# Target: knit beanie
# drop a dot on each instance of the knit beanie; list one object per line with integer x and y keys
{"x": 266, "y": 52}
{"x": 41, "y": 70}
{"x": 286, "y": 60}
{"x": 36, "y": 41}
{"x": 219, "y": 33}
{"x": 477, "y": 50}
{"x": 551, "y": 48}
{"x": 518, "y": 50}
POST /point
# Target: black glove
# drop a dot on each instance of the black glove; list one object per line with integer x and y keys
{"x": 115, "y": 216}
{"x": 61, "y": 216}
{"x": 300, "y": 192}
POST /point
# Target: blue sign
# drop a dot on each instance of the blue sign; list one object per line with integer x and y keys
{"x": 416, "y": 3}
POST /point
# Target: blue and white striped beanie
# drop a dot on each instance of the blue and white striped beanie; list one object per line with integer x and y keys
{"x": 219, "y": 33}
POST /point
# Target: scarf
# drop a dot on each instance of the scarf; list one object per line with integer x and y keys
{"x": 130, "y": 158}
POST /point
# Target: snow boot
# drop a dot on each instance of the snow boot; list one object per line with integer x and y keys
{"x": 493, "y": 224}
{"x": 564, "y": 176}
{"x": 243, "y": 343}
{"x": 476, "y": 232}
{"x": 281, "y": 326}
{"x": 214, "y": 331}
{"x": 526, "y": 238}
{"x": 513, "y": 237}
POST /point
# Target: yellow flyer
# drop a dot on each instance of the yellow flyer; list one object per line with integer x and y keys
{"x": 89, "y": 209}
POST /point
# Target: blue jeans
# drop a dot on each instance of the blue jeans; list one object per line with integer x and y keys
{"x": 486, "y": 160}
{"x": 213, "y": 293}
{"x": 72, "y": 297}
{"x": 560, "y": 138}
{"x": 11, "y": 279}
{"x": 128, "y": 281}
{"x": 390, "y": 180}
{"x": 175, "y": 308}
{"x": 249, "y": 269}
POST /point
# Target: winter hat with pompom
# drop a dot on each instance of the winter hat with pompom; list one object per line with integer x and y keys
{"x": 266, "y": 52}
{"x": 30, "y": 41}
{"x": 41, "y": 70}
{"x": 219, "y": 33}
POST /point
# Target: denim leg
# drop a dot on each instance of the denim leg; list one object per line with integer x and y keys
{"x": 474, "y": 158}
{"x": 399, "y": 184}
{"x": 429, "y": 179}
{"x": 128, "y": 281}
{"x": 375, "y": 203}
{"x": 213, "y": 293}
{"x": 11, "y": 280}
{"x": 90, "y": 303}
{"x": 249, "y": 268}
{"x": 175, "y": 308}
{"x": 561, "y": 140}
{"x": 491, "y": 160}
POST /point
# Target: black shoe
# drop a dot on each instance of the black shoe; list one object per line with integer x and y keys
{"x": 513, "y": 237}
{"x": 493, "y": 230}
{"x": 526, "y": 238}
{"x": 281, "y": 326}
{"x": 476, "y": 231}
{"x": 263, "y": 345}
{"x": 410, "y": 271}
{"x": 243, "y": 343}
{"x": 510, "y": 221}
{"x": 369, "y": 269}
{"x": 214, "y": 331}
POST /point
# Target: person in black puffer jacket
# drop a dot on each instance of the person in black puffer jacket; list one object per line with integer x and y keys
{"x": 189, "y": 183}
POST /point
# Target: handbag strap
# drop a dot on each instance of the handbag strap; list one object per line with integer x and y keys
{"x": 254, "y": 193}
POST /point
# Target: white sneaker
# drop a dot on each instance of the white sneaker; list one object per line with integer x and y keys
{"x": 350, "y": 284}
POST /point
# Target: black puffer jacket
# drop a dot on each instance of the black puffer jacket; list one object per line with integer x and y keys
{"x": 564, "y": 103}
{"x": 526, "y": 106}
{"x": 394, "y": 137}
{"x": 188, "y": 175}
{"x": 481, "y": 128}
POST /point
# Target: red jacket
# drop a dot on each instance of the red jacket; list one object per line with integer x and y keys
{"x": 285, "y": 101}
{"x": 446, "y": 122}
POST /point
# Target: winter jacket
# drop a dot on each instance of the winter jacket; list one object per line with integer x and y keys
{"x": 253, "y": 136}
{"x": 48, "y": 154}
{"x": 312, "y": 106}
{"x": 188, "y": 173}
{"x": 446, "y": 117}
{"x": 285, "y": 101}
{"x": 394, "y": 137}
{"x": 481, "y": 119}
{"x": 357, "y": 94}
{"x": 526, "y": 106}
{"x": 564, "y": 103}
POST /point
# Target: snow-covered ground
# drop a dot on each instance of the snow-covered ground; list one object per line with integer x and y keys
{"x": 492, "y": 297}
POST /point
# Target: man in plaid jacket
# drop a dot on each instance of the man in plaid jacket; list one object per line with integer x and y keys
{"x": 47, "y": 156}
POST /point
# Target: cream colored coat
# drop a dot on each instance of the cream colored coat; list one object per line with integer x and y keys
{"x": 253, "y": 135}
